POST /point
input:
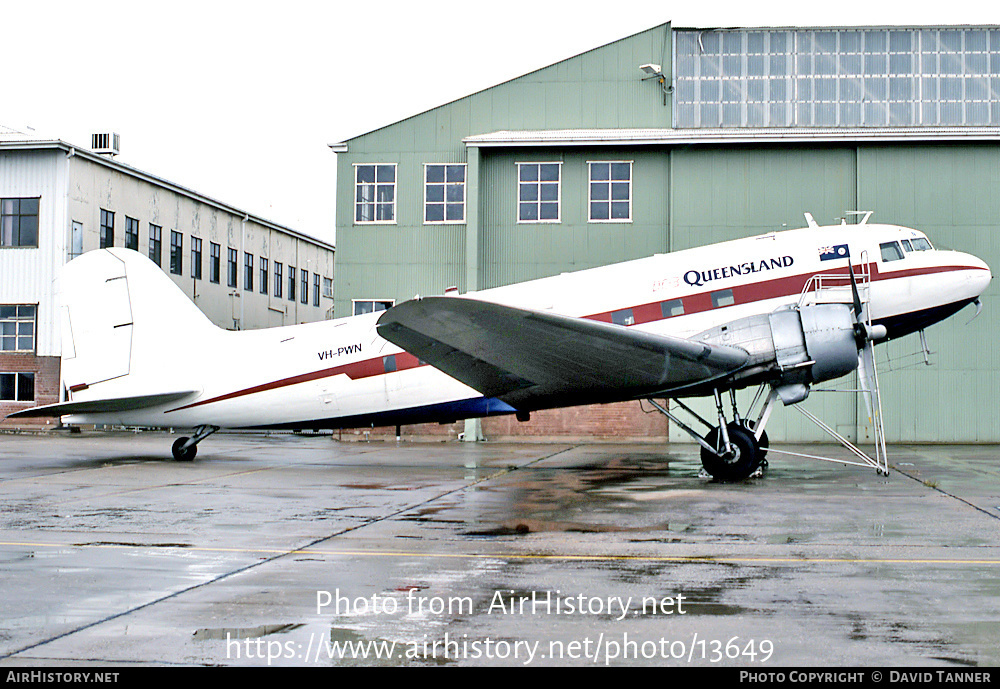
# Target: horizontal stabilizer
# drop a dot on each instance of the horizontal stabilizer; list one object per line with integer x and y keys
{"x": 118, "y": 404}
{"x": 530, "y": 359}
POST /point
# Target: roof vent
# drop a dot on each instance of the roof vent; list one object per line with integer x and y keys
{"x": 106, "y": 144}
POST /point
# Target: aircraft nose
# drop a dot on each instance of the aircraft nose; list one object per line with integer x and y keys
{"x": 978, "y": 275}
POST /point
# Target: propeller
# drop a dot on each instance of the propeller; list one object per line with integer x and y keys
{"x": 864, "y": 335}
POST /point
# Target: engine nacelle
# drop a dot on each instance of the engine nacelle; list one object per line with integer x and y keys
{"x": 792, "y": 346}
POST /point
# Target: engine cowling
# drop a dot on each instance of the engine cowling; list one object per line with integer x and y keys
{"x": 792, "y": 347}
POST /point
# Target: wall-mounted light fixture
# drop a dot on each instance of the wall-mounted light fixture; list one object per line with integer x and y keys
{"x": 654, "y": 71}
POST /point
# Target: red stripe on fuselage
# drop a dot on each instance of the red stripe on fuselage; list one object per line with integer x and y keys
{"x": 642, "y": 313}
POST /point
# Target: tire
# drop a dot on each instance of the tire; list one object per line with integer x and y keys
{"x": 183, "y": 455}
{"x": 762, "y": 444}
{"x": 741, "y": 464}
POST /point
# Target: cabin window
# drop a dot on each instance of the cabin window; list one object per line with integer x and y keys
{"x": 623, "y": 317}
{"x": 389, "y": 363}
{"x": 674, "y": 307}
{"x": 891, "y": 252}
{"x": 722, "y": 298}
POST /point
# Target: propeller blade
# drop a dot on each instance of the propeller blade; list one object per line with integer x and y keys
{"x": 854, "y": 292}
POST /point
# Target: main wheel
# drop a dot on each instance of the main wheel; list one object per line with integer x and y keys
{"x": 762, "y": 444}
{"x": 737, "y": 465}
{"x": 182, "y": 455}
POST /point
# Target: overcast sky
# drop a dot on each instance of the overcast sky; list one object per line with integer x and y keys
{"x": 238, "y": 100}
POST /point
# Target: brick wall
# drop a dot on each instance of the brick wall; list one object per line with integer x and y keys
{"x": 624, "y": 421}
{"x": 46, "y": 370}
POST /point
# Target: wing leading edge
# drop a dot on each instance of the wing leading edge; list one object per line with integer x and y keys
{"x": 533, "y": 359}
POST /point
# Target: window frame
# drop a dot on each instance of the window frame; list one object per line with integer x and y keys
{"x": 214, "y": 262}
{"x": 373, "y": 302}
{"x": 18, "y": 320}
{"x": 538, "y": 201}
{"x": 610, "y": 184}
{"x": 304, "y": 287}
{"x": 374, "y": 202}
{"x": 445, "y": 184}
{"x": 107, "y": 238}
{"x": 131, "y": 233}
{"x": 263, "y": 275}
{"x": 247, "y": 271}
{"x": 156, "y": 244}
{"x": 18, "y": 376}
{"x": 232, "y": 267}
{"x": 176, "y": 252}
{"x": 291, "y": 283}
{"x": 19, "y": 215}
{"x": 196, "y": 257}
{"x": 278, "y": 279}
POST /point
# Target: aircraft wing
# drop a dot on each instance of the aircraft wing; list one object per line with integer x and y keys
{"x": 117, "y": 404}
{"x": 534, "y": 359}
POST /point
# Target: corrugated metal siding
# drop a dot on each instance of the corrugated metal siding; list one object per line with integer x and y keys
{"x": 29, "y": 275}
{"x": 950, "y": 192}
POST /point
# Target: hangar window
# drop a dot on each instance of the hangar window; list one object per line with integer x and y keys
{"x": 156, "y": 244}
{"x": 19, "y": 222}
{"x": 196, "y": 258}
{"x": 107, "y": 229}
{"x": 315, "y": 289}
{"x": 360, "y": 306}
{"x": 444, "y": 194}
{"x": 538, "y": 192}
{"x": 304, "y": 274}
{"x": 131, "y": 233}
{"x": 278, "y": 279}
{"x": 17, "y": 327}
{"x": 231, "y": 266}
{"x": 17, "y": 387}
{"x": 375, "y": 194}
{"x": 248, "y": 272}
{"x": 176, "y": 258}
{"x": 263, "y": 275}
{"x": 611, "y": 191}
{"x": 214, "y": 262}
{"x": 291, "y": 283}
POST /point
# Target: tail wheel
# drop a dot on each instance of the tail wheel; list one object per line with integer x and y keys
{"x": 736, "y": 465}
{"x": 182, "y": 455}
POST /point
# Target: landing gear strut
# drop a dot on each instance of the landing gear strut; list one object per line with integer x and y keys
{"x": 185, "y": 449}
{"x": 732, "y": 450}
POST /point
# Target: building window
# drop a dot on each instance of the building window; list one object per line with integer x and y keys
{"x": 315, "y": 289}
{"x": 18, "y": 222}
{"x": 291, "y": 283}
{"x": 214, "y": 262}
{"x": 375, "y": 194}
{"x": 156, "y": 244}
{"x": 277, "y": 279}
{"x": 610, "y": 192}
{"x": 538, "y": 192}
{"x": 196, "y": 258}
{"x": 232, "y": 267}
{"x": 305, "y": 286}
{"x": 131, "y": 233}
{"x": 248, "y": 272}
{"x": 263, "y": 275}
{"x": 176, "y": 257}
{"x": 17, "y": 387}
{"x": 17, "y": 327}
{"x": 360, "y": 306}
{"x": 107, "y": 229}
{"x": 444, "y": 193}
{"x": 328, "y": 288}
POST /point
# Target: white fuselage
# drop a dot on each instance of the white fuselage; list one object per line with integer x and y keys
{"x": 340, "y": 373}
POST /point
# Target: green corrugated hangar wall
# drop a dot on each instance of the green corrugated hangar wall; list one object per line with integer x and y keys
{"x": 683, "y": 196}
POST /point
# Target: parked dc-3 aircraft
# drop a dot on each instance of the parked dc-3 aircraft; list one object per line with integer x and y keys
{"x": 782, "y": 311}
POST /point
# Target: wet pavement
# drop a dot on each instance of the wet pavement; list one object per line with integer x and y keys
{"x": 301, "y": 550}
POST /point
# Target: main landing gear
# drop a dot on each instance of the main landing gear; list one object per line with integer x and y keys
{"x": 185, "y": 449}
{"x": 732, "y": 450}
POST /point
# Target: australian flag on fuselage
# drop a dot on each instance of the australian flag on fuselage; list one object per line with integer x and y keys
{"x": 829, "y": 253}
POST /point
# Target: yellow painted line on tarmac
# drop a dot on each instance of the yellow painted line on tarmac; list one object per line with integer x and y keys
{"x": 565, "y": 557}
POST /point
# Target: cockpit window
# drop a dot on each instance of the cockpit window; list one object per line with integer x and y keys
{"x": 921, "y": 244}
{"x": 907, "y": 247}
{"x": 891, "y": 251}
